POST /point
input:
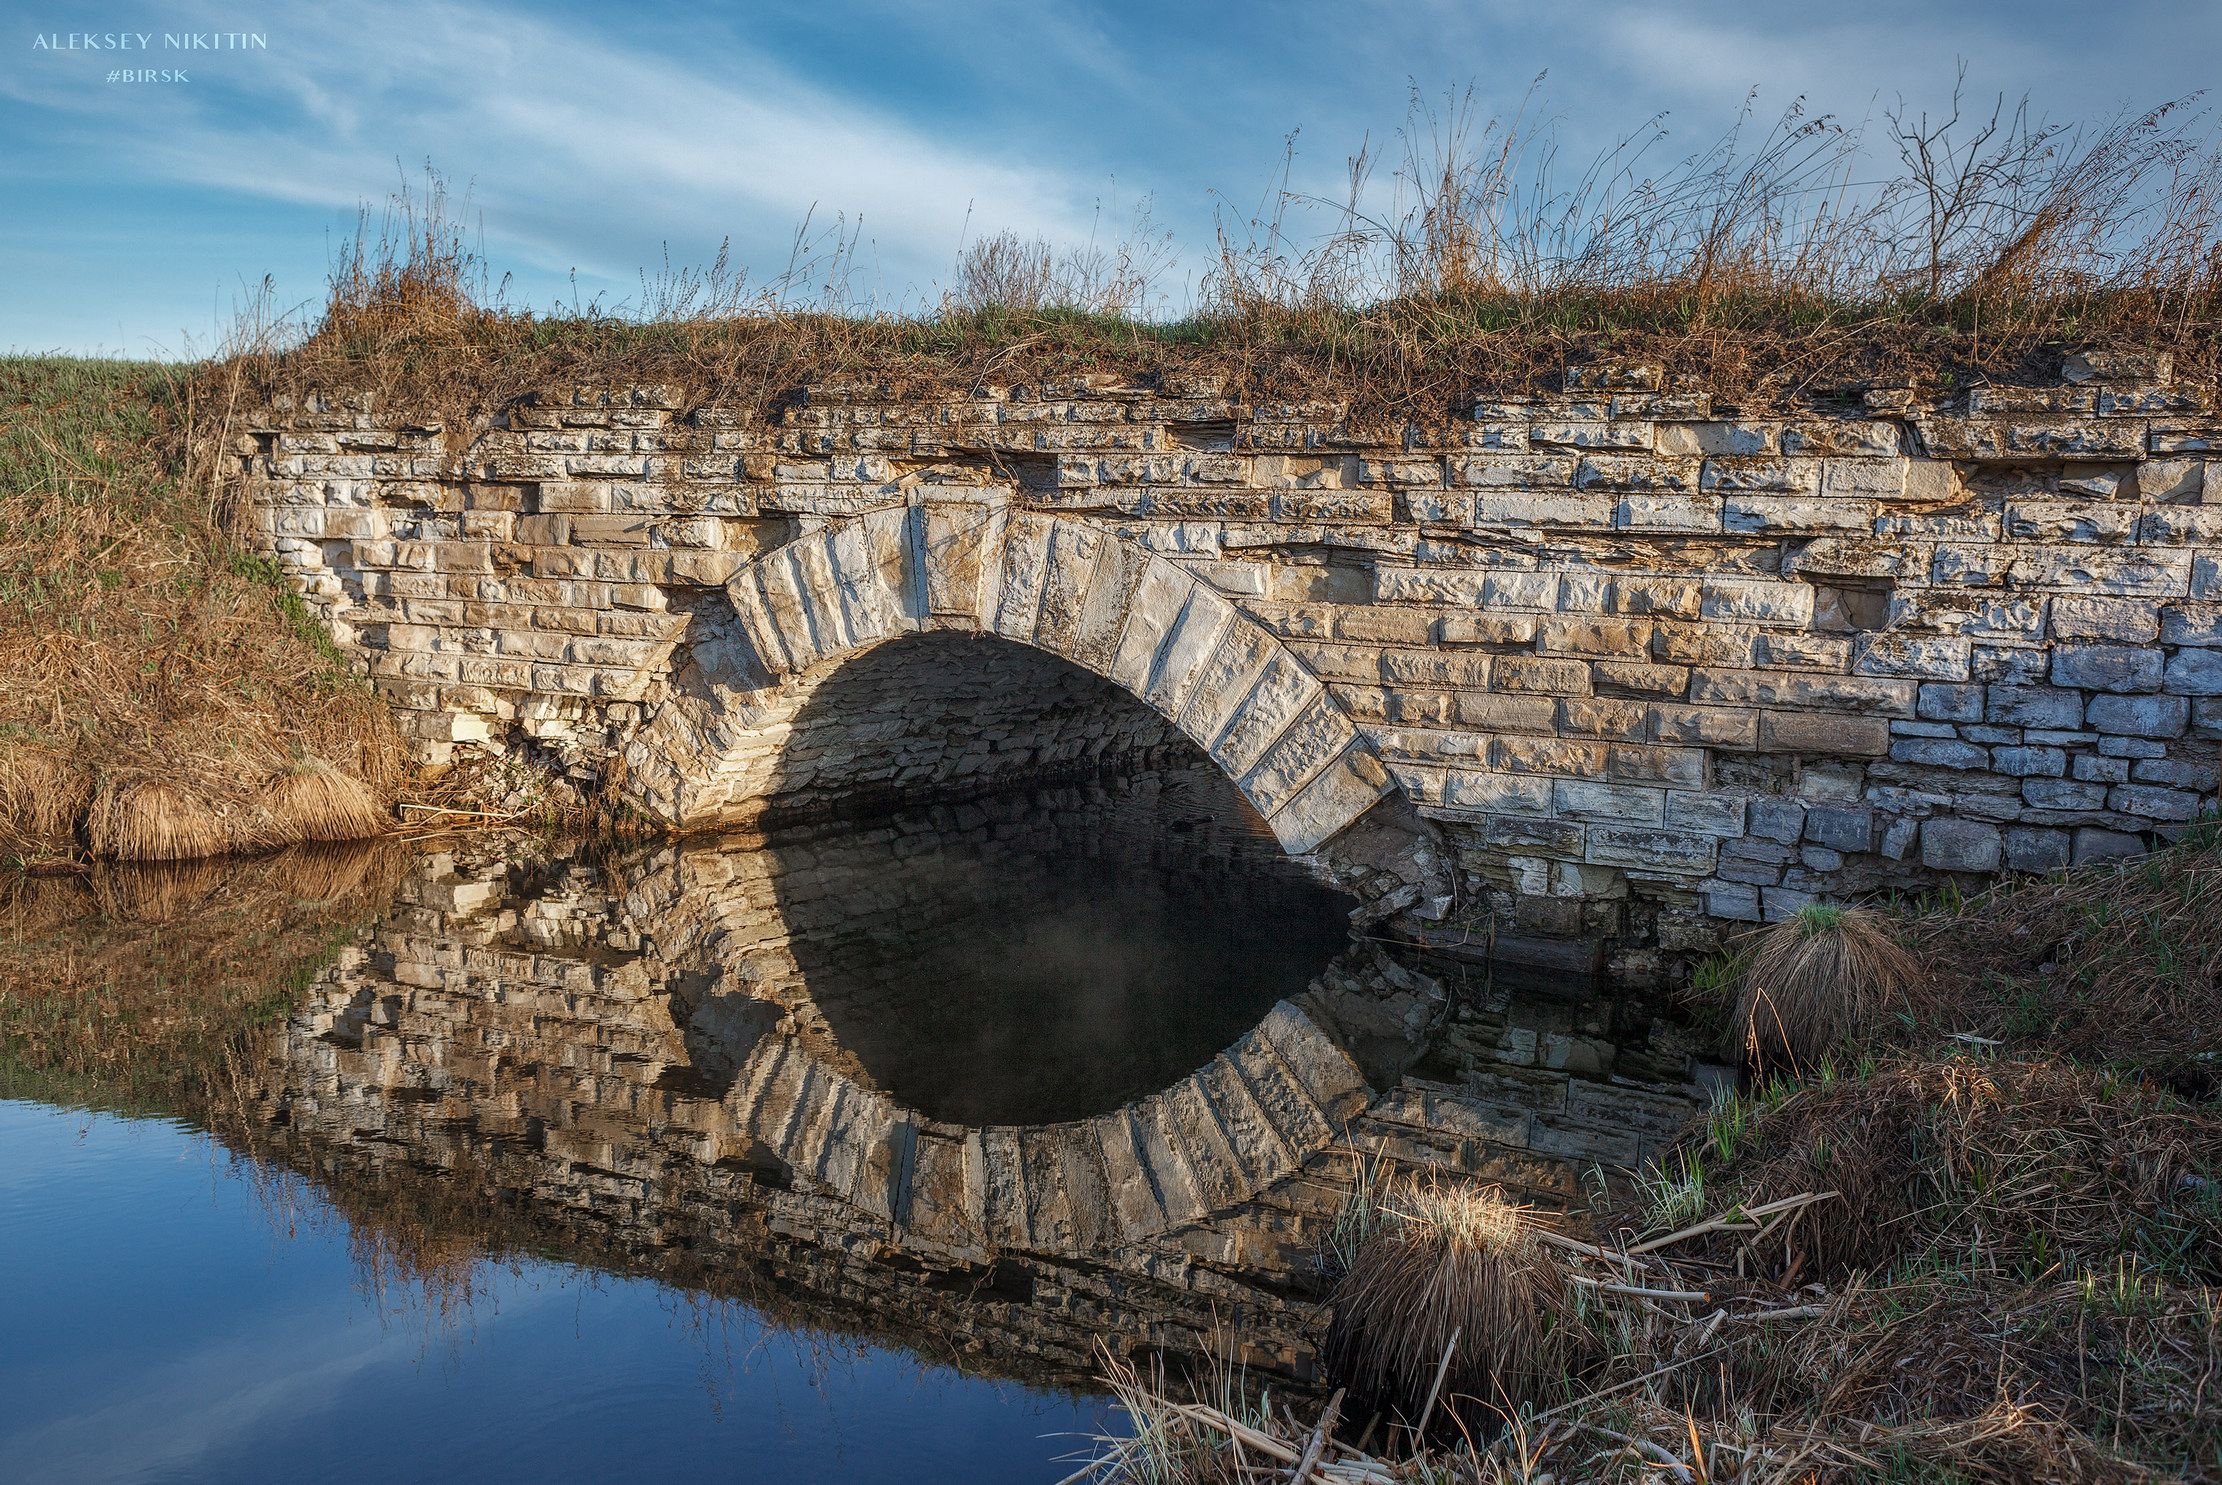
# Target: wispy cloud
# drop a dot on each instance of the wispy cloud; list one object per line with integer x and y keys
{"x": 592, "y": 136}
{"x": 581, "y": 151}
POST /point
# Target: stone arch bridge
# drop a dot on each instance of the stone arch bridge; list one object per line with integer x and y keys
{"x": 1618, "y": 664}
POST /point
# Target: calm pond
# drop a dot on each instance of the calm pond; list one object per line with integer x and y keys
{"x": 841, "y": 1152}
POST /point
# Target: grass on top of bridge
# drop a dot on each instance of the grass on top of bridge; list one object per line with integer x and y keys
{"x": 165, "y": 693}
{"x": 1765, "y": 267}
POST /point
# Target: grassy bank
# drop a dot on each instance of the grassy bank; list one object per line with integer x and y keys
{"x": 1977, "y": 1237}
{"x": 165, "y": 694}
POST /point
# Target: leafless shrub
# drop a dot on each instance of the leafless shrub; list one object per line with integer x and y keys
{"x": 1032, "y": 276}
{"x": 417, "y": 271}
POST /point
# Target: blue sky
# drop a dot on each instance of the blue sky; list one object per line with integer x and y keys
{"x": 592, "y": 135}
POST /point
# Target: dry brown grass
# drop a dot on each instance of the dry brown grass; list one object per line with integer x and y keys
{"x": 1819, "y": 981}
{"x": 2112, "y": 962}
{"x": 140, "y": 641}
{"x": 2015, "y": 1164}
{"x": 152, "y": 819}
{"x": 313, "y": 801}
{"x": 1774, "y": 263}
{"x": 42, "y": 798}
{"x": 1454, "y": 1271}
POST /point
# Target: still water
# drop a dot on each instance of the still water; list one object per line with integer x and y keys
{"x": 842, "y": 1153}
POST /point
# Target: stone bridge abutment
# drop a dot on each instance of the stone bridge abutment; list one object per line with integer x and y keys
{"x": 1627, "y": 665}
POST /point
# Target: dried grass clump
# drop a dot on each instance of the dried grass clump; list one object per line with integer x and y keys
{"x": 1454, "y": 1271}
{"x": 1818, "y": 980}
{"x": 152, "y": 820}
{"x": 139, "y": 639}
{"x": 2004, "y": 1164}
{"x": 313, "y": 801}
{"x": 42, "y": 797}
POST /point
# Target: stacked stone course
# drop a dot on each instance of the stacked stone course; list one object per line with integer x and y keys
{"x": 1646, "y": 663}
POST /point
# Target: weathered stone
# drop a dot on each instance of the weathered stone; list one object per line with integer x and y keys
{"x": 2094, "y": 844}
{"x": 1960, "y": 845}
{"x": 2036, "y": 850}
{"x": 2106, "y": 668}
{"x": 2195, "y": 673}
{"x": 1558, "y": 605}
{"x": 2139, "y": 716}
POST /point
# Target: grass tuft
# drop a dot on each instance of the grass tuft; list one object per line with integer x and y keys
{"x": 152, "y": 820}
{"x": 313, "y": 801}
{"x": 1454, "y": 1270}
{"x": 1818, "y": 980}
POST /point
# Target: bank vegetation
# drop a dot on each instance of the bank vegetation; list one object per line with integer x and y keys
{"x": 1971, "y": 1231}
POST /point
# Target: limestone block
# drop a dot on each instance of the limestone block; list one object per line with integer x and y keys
{"x": 1732, "y": 900}
{"x": 1637, "y": 847}
{"x": 2107, "y": 667}
{"x": 2064, "y": 794}
{"x": 1819, "y": 733}
{"x": 2139, "y": 716}
{"x": 1778, "y": 514}
{"x": 1074, "y": 551}
{"x": 1195, "y": 632}
{"x": 1720, "y": 726}
{"x": 1785, "y": 689}
{"x": 1629, "y": 434}
{"x": 1023, "y": 570}
{"x": 1667, "y": 513}
{"x": 1345, "y": 789}
{"x": 2104, "y": 571}
{"x": 871, "y": 606}
{"x": 1756, "y": 602}
{"x": 1225, "y": 680}
{"x": 2129, "y": 620}
{"x": 962, "y": 544}
{"x": 2153, "y": 802}
{"x": 2195, "y": 672}
{"x": 1583, "y": 799}
{"x": 1510, "y": 472}
{"x": 1743, "y": 476}
{"x": 1935, "y": 658}
{"x": 1550, "y": 508}
{"x": 1313, "y": 739}
{"x": 2069, "y": 521}
{"x": 1961, "y": 845}
{"x": 1693, "y": 813}
{"x": 1497, "y": 793}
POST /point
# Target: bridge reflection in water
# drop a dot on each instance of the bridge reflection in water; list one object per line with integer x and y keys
{"x": 998, "y": 1078}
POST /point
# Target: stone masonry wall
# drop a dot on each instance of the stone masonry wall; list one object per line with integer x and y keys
{"x": 1646, "y": 664}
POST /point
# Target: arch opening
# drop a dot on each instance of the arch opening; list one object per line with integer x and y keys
{"x": 943, "y": 715}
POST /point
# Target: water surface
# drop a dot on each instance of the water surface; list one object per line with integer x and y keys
{"x": 836, "y": 1153}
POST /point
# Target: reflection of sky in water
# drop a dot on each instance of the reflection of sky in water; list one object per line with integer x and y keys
{"x": 157, "y": 1321}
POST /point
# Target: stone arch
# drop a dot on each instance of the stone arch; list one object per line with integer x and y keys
{"x": 1055, "y": 583}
